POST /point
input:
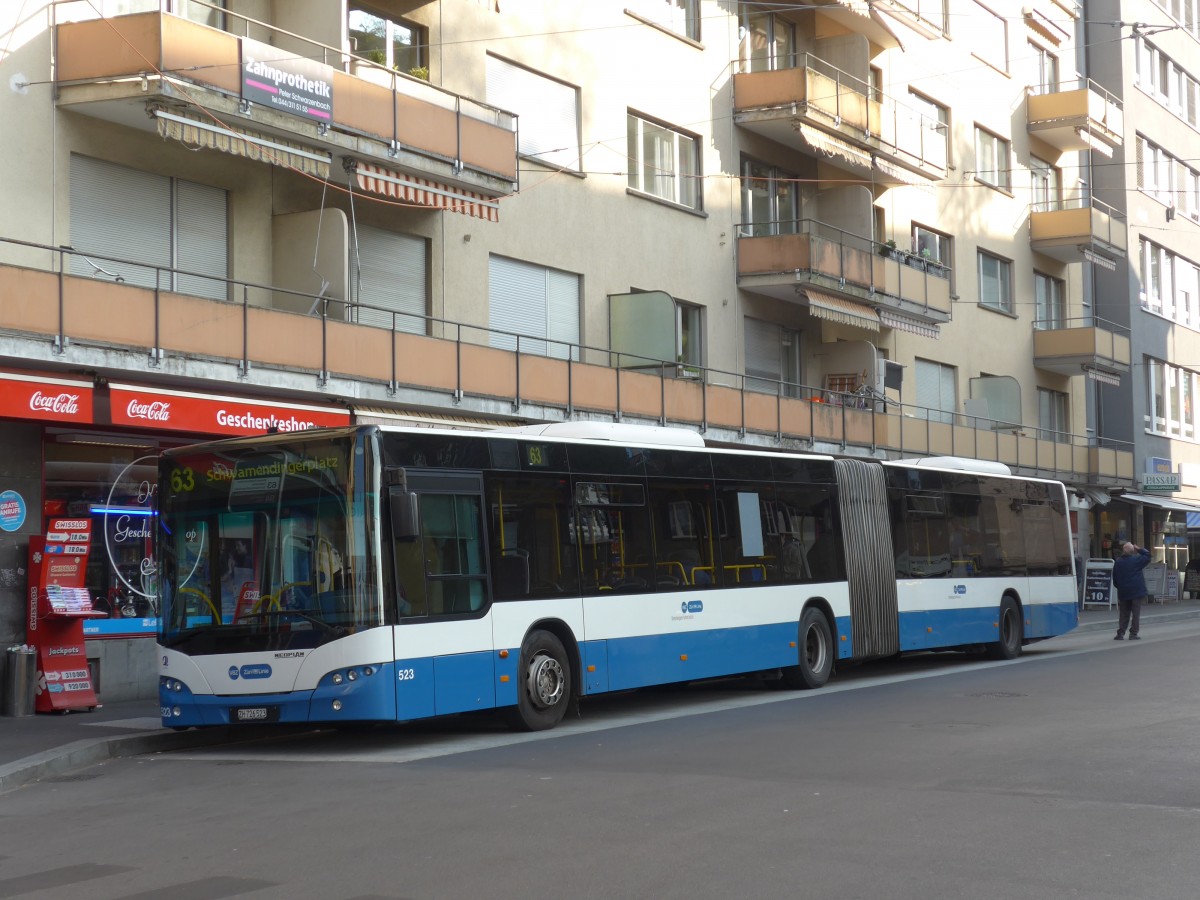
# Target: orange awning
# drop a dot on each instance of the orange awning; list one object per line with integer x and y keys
{"x": 422, "y": 192}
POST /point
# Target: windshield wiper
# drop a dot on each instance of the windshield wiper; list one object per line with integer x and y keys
{"x": 298, "y": 613}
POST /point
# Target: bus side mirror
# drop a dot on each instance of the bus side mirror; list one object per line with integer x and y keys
{"x": 406, "y": 521}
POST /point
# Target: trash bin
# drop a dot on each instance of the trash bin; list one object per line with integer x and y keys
{"x": 20, "y": 682}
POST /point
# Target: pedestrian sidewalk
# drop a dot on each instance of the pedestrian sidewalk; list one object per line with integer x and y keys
{"x": 43, "y": 746}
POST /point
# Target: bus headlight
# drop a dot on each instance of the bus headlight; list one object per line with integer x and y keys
{"x": 337, "y": 705}
{"x": 337, "y": 677}
{"x": 352, "y": 675}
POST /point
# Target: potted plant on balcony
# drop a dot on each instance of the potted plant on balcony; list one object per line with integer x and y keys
{"x": 888, "y": 250}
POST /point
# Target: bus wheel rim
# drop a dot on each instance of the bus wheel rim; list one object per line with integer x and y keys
{"x": 814, "y": 649}
{"x": 546, "y": 681}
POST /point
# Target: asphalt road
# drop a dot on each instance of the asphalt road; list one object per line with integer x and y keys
{"x": 1073, "y": 772}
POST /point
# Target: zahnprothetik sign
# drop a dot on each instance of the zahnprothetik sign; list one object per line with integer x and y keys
{"x": 286, "y": 81}
{"x": 144, "y": 407}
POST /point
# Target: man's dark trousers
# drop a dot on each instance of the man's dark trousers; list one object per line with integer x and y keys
{"x": 1131, "y": 615}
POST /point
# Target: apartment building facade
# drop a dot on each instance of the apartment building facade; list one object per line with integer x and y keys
{"x": 859, "y": 228}
{"x": 1147, "y": 53}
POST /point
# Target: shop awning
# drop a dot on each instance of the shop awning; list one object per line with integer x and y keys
{"x": 1160, "y": 502}
{"x": 45, "y": 398}
{"x": 415, "y": 418}
{"x": 901, "y": 322}
{"x": 836, "y": 148}
{"x": 421, "y": 192}
{"x": 846, "y": 312}
{"x": 196, "y": 132}
{"x": 138, "y": 406}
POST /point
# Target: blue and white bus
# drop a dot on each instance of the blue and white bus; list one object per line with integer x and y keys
{"x": 375, "y": 574}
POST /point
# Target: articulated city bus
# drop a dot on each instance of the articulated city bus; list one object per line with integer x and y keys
{"x": 376, "y": 574}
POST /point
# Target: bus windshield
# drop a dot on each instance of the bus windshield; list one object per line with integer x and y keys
{"x": 269, "y": 543}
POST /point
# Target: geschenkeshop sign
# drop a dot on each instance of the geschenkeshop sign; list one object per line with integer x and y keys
{"x": 45, "y": 398}
{"x": 141, "y": 407}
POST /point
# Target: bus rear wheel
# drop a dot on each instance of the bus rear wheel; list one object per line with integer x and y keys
{"x": 816, "y": 653}
{"x": 543, "y": 683}
{"x": 1012, "y": 631}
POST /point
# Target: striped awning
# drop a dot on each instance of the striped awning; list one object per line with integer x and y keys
{"x": 841, "y": 151}
{"x": 421, "y": 192}
{"x": 418, "y": 418}
{"x": 196, "y": 132}
{"x": 894, "y": 172}
{"x": 901, "y": 322}
{"x": 837, "y": 309}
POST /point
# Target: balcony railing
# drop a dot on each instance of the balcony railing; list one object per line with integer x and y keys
{"x": 1065, "y": 229}
{"x": 140, "y": 56}
{"x": 1087, "y": 344}
{"x": 1076, "y": 115}
{"x": 845, "y": 104}
{"x": 466, "y": 367}
{"x": 838, "y": 260}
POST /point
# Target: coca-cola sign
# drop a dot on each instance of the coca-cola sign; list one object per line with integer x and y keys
{"x": 67, "y": 404}
{"x": 48, "y": 399}
{"x": 155, "y": 411}
{"x": 139, "y": 406}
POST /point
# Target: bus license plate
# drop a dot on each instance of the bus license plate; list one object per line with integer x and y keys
{"x": 256, "y": 714}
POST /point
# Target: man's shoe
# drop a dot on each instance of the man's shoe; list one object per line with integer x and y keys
{"x": 1119, "y": 637}
{"x": 1134, "y": 637}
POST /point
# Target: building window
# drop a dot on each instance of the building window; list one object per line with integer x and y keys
{"x": 995, "y": 282}
{"x": 1167, "y": 82}
{"x": 549, "y": 111}
{"x": 772, "y": 358}
{"x": 935, "y": 129}
{"x": 689, "y": 330}
{"x": 931, "y": 245}
{"x": 768, "y": 41}
{"x": 394, "y": 43}
{"x": 663, "y": 162}
{"x": 1171, "y": 396}
{"x": 535, "y": 303}
{"x": 989, "y": 35}
{"x": 1045, "y": 70}
{"x": 679, "y": 16}
{"x": 208, "y": 13}
{"x": 1170, "y": 285}
{"x": 935, "y": 390}
{"x": 770, "y": 200}
{"x": 1045, "y": 186}
{"x": 1053, "y": 424}
{"x": 992, "y": 159}
{"x": 1050, "y": 299}
{"x": 168, "y": 225}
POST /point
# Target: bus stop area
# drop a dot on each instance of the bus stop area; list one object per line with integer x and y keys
{"x": 36, "y": 747}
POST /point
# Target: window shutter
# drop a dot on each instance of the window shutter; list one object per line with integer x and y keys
{"x": 516, "y": 304}
{"x": 763, "y": 356}
{"x": 388, "y": 273}
{"x": 549, "y": 111}
{"x": 201, "y": 240}
{"x": 120, "y": 212}
{"x": 562, "y": 301}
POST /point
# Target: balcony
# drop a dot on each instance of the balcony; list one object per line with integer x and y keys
{"x": 1075, "y": 230}
{"x": 818, "y": 107}
{"x": 113, "y": 330}
{"x": 138, "y": 70}
{"x": 845, "y": 265}
{"x": 1087, "y": 346}
{"x": 1072, "y": 117}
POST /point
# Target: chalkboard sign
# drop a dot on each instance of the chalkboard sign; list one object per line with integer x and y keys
{"x": 1172, "y": 594}
{"x": 1097, "y": 583}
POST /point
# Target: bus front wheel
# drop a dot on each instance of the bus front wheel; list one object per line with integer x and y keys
{"x": 816, "y": 652}
{"x": 543, "y": 683}
{"x": 1012, "y": 631}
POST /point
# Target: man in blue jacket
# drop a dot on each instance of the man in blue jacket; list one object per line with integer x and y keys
{"x": 1131, "y": 588}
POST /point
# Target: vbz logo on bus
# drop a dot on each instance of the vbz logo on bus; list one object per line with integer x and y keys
{"x": 960, "y": 589}
{"x": 691, "y": 606}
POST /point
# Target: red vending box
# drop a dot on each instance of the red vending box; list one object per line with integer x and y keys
{"x": 58, "y": 604}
